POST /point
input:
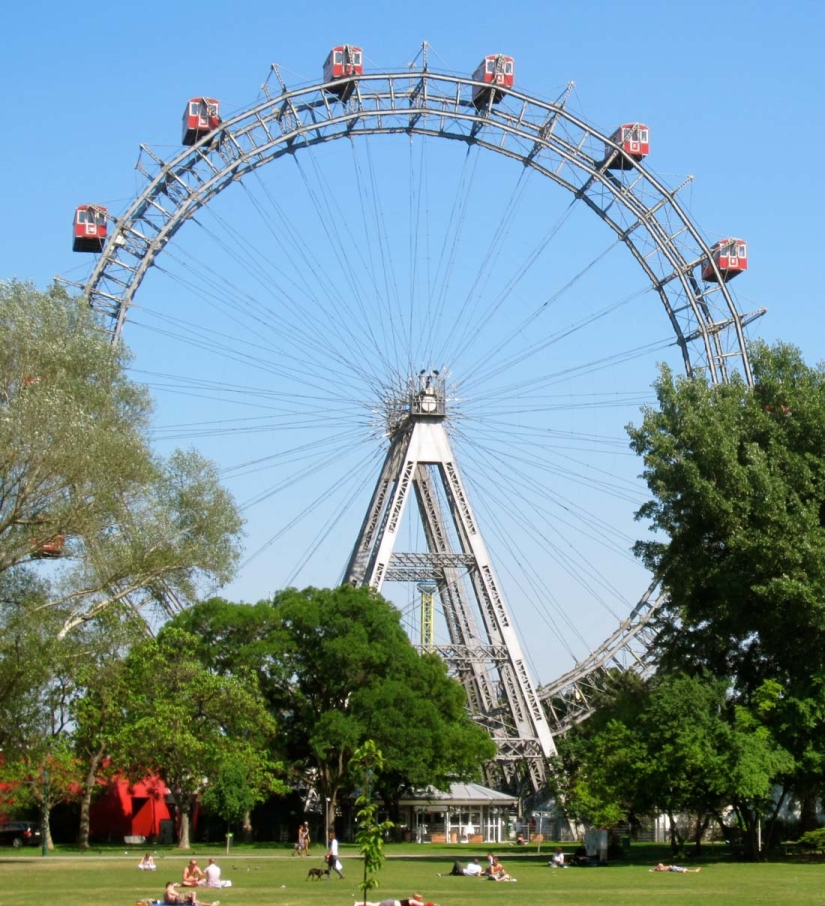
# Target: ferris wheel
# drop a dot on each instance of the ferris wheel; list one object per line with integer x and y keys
{"x": 443, "y": 290}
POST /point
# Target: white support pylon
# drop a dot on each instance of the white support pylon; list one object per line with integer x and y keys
{"x": 484, "y": 650}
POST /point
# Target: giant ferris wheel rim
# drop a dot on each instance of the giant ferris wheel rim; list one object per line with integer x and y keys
{"x": 538, "y": 134}
{"x": 708, "y": 331}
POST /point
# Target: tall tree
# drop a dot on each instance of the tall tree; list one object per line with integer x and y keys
{"x": 187, "y": 724}
{"x": 676, "y": 745}
{"x": 338, "y": 669}
{"x": 27, "y": 642}
{"x": 36, "y": 690}
{"x": 737, "y": 476}
{"x": 99, "y": 675}
{"x": 77, "y": 476}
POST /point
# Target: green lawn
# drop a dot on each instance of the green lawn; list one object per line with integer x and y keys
{"x": 272, "y": 877}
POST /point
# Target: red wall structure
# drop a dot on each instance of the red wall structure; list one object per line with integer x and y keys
{"x": 130, "y": 810}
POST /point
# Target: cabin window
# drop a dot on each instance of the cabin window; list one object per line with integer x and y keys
{"x": 193, "y": 108}
{"x": 100, "y": 218}
{"x": 491, "y": 66}
{"x": 81, "y": 216}
{"x": 356, "y": 59}
{"x": 212, "y": 109}
{"x": 643, "y": 135}
{"x": 743, "y": 251}
{"x": 339, "y": 57}
{"x": 508, "y": 68}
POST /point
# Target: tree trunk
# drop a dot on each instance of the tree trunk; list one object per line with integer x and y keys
{"x": 807, "y": 808}
{"x": 185, "y": 808}
{"x": 771, "y": 829}
{"x": 86, "y": 799}
{"x": 702, "y": 822}
{"x": 45, "y": 824}
{"x": 748, "y": 821}
{"x": 675, "y": 836}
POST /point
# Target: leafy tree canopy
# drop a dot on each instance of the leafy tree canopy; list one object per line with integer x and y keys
{"x": 190, "y": 726}
{"x": 677, "y": 745}
{"x": 738, "y": 483}
{"x": 75, "y": 464}
{"x": 337, "y": 669}
{"x": 737, "y": 477}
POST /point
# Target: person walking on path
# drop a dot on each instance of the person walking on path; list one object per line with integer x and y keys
{"x": 332, "y": 859}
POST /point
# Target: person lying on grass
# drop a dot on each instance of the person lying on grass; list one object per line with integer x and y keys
{"x": 662, "y": 867}
{"x": 415, "y": 900}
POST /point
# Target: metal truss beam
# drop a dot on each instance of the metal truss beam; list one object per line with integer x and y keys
{"x": 485, "y": 653}
{"x": 543, "y": 135}
{"x": 569, "y": 699}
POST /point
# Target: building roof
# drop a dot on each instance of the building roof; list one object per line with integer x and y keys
{"x": 459, "y": 794}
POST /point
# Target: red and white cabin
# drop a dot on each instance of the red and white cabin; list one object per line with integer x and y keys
{"x": 50, "y": 549}
{"x": 634, "y": 140}
{"x": 89, "y": 228}
{"x": 495, "y": 70}
{"x": 343, "y": 62}
{"x": 731, "y": 257}
{"x": 202, "y": 116}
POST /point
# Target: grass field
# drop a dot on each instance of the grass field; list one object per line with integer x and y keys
{"x": 272, "y": 877}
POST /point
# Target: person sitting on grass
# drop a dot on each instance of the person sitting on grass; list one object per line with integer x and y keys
{"x": 496, "y": 870}
{"x": 662, "y": 867}
{"x": 212, "y": 876}
{"x": 171, "y": 897}
{"x": 147, "y": 863}
{"x": 192, "y": 874}
{"x": 558, "y": 858}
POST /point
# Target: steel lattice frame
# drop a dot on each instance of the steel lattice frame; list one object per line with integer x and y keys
{"x": 538, "y": 134}
{"x": 569, "y": 699}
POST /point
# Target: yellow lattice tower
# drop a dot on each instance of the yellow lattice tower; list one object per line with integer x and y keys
{"x": 428, "y": 590}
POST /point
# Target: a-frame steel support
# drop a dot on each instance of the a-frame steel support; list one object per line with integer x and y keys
{"x": 484, "y": 651}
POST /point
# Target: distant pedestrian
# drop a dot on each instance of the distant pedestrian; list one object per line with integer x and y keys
{"x": 332, "y": 859}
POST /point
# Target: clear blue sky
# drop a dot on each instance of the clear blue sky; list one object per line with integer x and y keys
{"x": 732, "y": 93}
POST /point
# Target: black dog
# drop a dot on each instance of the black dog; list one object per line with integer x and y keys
{"x": 317, "y": 873}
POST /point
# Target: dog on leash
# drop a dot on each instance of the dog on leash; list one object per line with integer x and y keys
{"x": 315, "y": 874}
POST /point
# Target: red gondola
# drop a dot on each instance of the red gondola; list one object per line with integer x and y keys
{"x": 731, "y": 257}
{"x": 496, "y": 70}
{"x": 50, "y": 549}
{"x": 343, "y": 62}
{"x": 89, "y": 228}
{"x": 634, "y": 140}
{"x": 201, "y": 116}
